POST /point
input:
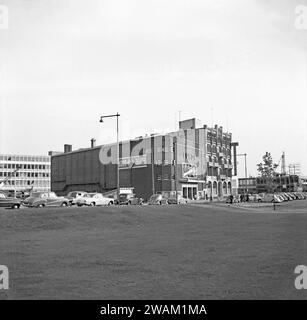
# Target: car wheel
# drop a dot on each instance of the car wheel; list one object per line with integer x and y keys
{"x": 129, "y": 203}
{"x": 16, "y": 206}
{"x": 93, "y": 204}
{"x": 64, "y": 204}
{"x": 160, "y": 203}
{"x": 111, "y": 203}
{"x": 259, "y": 200}
{"x": 41, "y": 205}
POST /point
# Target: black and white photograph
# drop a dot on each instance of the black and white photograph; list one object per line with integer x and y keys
{"x": 153, "y": 151}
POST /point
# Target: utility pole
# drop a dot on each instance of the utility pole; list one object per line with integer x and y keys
{"x": 152, "y": 166}
{"x": 175, "y": 165}
{"x": 245, "y": 169}
{"x": 117, "y": 115}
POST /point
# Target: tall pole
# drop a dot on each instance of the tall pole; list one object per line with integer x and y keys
{"x": 118, "y": 160}
{"x": 175, "y": 166}
{"x": 246, "y": 172}
{"x": 117, "y": 115}
{"x": 245, "y": 168}
{"x": 153, "y": 167}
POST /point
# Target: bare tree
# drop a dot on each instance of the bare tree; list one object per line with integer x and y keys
{"x": 267, "y": 171}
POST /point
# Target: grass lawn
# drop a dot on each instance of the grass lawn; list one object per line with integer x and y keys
{"x": 152, "y": 252}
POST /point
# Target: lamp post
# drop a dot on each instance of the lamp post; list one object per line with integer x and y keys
{"x": 245, "y": 166}
{"x": 117, "y": 115}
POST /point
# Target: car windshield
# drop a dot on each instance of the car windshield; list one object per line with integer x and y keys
{"x": 92, "y": 195}
{"x": 155, "y": 197}
{"x": 72, "y": 194}
{"x": 36, "y": 194}
{"x": 123, "y": 196}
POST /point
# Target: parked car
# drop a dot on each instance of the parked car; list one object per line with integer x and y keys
{"x": 157, "y": 199}
{"x": 290, "y": 196}
{"x": 94, "y": 199}
{"x": 45, "y": 199}
{"x": 180, "y": 200}
{"x": 73, "y": 196}
{"x": 256, "y": 198}
{"x": 236, "y": 199}
{"x": 9, "y": 202}
{"x": 280, "y": 197}
{"x": 271, "y": 198}
{"x": 129, "y": 199}
{"x": 283, "y": 197}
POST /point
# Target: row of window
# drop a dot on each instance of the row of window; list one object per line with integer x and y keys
{"x": 25, "y": 166}
{"x": 24, "y": 158}
{"x": 25, "y": 174}
{"x": 247, "y": 182}
{"x": 28, "y": 183}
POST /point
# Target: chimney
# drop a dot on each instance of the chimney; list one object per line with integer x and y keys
{"x": 93, "y": 143}
{"x": 67, "y": 148}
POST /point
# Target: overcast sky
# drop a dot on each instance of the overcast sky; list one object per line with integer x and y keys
{"x": 240, "y": 64}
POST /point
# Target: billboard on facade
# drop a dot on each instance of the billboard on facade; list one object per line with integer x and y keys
{"x": 189, "y": 170}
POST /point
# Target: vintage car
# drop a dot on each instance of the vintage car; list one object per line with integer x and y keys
{"x": 129, "y": 199}
{"x": 9, "y": 202}
{"x": 179, "y": 200}
{"x": 157, "y": 199}
{"x": 73, "y": 196}
{"x": 45, "y": 199}
{"x": 271, "y": 198}
{"x": 94, "y": 199}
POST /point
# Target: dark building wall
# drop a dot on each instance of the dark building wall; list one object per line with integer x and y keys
{"x": 199, "y": 164}
{"x": 82, "y": 170}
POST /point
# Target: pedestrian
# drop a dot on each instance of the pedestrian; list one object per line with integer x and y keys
{"x": 231, "y": 199}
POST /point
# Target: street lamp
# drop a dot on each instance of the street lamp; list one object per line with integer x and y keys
{"x": 245, "y": 165}
{"x": 117, "y": 115}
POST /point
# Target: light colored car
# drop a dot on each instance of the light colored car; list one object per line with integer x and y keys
{"x": 157, "y": 199}
{"x": 280, "y": 197}
{"x": 271, "y": 198}
{"x": 180, "y": 200}
{"x": 94, "y": 199}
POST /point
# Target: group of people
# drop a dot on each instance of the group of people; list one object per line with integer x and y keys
{"x": 242, "y": 198}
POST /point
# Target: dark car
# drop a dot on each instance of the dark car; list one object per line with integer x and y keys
{"x": 9, "y": 202}
{"x": 45, "y": 199}
{"x": 73, "y": 196}
{"x": 178, "y": 200}
{"x": 129, "y": 199}
{"x": 157, "y": 199}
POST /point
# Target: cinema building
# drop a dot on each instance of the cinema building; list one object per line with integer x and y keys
{"x": 195, "y": 161}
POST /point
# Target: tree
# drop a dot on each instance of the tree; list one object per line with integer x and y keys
{"x": 267, "y": 171}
